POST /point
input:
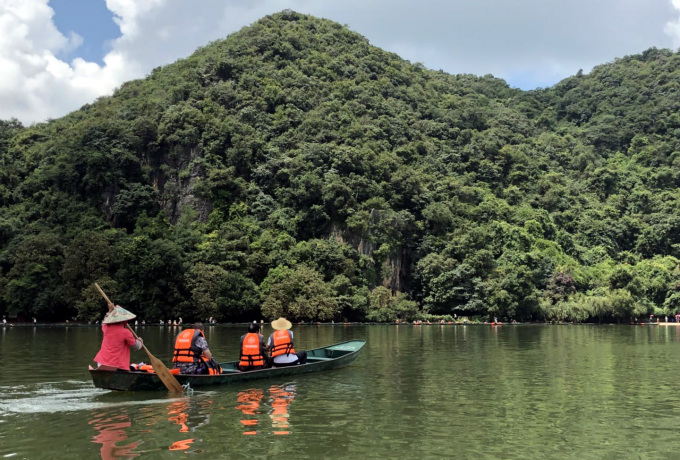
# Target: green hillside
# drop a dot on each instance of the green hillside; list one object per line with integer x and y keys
{"x": 293, "y": 169}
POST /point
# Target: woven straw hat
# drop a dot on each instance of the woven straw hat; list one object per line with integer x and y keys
{"x": 281, "y": 324}
{"x": 117, "y": 315}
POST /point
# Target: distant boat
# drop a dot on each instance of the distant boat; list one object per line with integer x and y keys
{"x": 319, "y": 359}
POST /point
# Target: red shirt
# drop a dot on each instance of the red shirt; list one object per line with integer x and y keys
{"x": 115, "y": 350}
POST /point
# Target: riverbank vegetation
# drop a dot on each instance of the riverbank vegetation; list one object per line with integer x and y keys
{"x": 295, "y": 170}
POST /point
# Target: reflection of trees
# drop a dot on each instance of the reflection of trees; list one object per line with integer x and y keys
{"x": 112, "y": 431}
{"x": 280, "y": 399}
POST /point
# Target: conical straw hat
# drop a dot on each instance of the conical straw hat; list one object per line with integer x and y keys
{"x": 281, "y": 324}
{"x": 117, "y": 315}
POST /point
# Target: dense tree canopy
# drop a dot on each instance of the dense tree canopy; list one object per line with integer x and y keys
{"x": 294, "y": 169}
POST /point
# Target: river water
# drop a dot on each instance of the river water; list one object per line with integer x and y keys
{"x": 415, "y": 392}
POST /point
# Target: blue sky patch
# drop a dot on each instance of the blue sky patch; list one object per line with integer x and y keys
{"x": 91, "y": 20}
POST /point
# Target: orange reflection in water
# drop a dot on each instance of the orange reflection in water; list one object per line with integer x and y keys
{"x": 249, "y": 403}
{"x": 112, "y": 431}
{"x": 181, "y": 445}
{"x": 178, "y": 414}
{"x": 114, "y": 426}
{"x": 189, "y": 414}
{"x": 280, "y": 399}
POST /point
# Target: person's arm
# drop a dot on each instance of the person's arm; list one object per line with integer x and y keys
{"x": 139, "y": 343}
{"x": 135, "y": 344}
{"x": 203, "y": 345}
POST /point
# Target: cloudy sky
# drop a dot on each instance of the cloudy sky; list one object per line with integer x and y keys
{"x": 56, "y": 55}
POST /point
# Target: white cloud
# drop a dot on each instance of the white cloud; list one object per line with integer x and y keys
{"x": 529, "y": 43}
{"x": 127, "y": 14}
{"x": 673, "y": 27}
{"x": 34, "y": 84}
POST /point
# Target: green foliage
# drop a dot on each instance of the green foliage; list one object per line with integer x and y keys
{"x": 221, "y": 294}
{"x": 86, "y": 260}
{"x": 131, "y": 202}
{"x": 32, "y": 285}
{"x": 294, "y": 169}
{"x": 386, "y": 307}
{"x": 297, "y": 294}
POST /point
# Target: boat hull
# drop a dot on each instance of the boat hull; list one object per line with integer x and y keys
{"x": 319, "y": 359}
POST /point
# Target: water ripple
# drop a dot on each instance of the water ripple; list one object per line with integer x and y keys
{"x": 67, "y": 396}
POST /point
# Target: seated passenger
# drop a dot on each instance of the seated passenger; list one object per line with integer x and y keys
{"x": 253, "y": 350}
{"x": 281, "y": 345}
{"x": 192, "y": 354}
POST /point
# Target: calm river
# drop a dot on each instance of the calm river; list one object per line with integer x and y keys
{"x": 415, "y": 392}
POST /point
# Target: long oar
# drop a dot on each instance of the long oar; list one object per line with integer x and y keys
{"x": 162, "y": 372}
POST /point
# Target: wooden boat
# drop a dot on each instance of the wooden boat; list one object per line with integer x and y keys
{"x": 319, "y": 359}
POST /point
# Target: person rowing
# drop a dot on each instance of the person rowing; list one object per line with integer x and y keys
{"x": 118, "y": 340}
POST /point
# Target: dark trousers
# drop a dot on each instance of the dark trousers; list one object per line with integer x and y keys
{"x": 250, "y": 368}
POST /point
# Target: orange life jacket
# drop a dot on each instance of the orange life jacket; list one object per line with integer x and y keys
{"x": 213, "y": 367}
{"x": 186, "y": 350}
{"x": 252, "y": 352}
{"x": 149, "y": 368}
{"x": 282, "y": 343}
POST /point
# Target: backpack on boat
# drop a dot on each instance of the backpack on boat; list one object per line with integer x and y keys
{"x": 213, "y": 367}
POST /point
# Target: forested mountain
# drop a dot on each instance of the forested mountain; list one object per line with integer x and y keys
{"x": 294, "y": 169}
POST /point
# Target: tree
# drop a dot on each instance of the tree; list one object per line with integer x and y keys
{"x": 34, "y": 284}
{"x": 87, "y": 259}
{"x": 385, "y": 307}
{"x": 299, "y": 294}
{"x": 221, "y": 294}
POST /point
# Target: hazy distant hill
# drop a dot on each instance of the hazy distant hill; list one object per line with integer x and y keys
{"x": 294, "y": 169}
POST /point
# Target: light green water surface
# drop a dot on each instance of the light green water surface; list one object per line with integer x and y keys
{"x": 415, "y": 392}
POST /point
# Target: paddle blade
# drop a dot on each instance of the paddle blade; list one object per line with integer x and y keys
{"x": 164, "y": 374}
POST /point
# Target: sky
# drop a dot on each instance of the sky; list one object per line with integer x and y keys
{"x": 57, "y": 55}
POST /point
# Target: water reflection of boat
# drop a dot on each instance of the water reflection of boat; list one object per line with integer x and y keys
{"x": 251, "y": 402}
{"x": 112, "y": 430}
{"x": 319, "y": 359}
{"x": 281, "y": 398}
{"x": 188, "y": 414}
{"x": 114, "y": 426}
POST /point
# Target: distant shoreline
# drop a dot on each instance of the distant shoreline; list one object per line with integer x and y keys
{"x": 535, "y": 323}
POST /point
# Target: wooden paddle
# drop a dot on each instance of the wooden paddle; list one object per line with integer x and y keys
{"x": 162, "y": 372}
